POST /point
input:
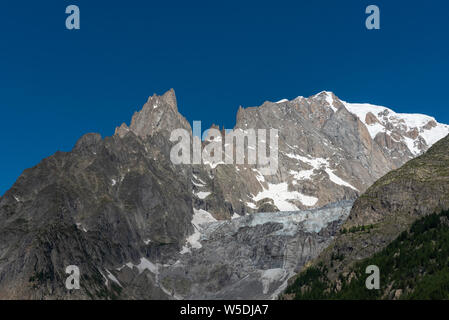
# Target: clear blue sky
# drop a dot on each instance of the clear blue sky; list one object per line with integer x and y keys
{"x": 56, "y": 84}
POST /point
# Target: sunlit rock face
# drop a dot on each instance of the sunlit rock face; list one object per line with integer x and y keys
{"x": 328, "y": 150}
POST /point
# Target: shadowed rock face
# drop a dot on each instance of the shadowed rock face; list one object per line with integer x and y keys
{"x": 93, "y": 207}
{"x": 121, "y": 211}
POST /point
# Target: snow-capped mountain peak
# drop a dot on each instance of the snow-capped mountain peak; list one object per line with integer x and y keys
{"x": 417, "y": 131}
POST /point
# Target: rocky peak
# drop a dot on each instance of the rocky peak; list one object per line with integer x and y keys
{"x": 323, "y": 141}
{"x": 327, "y": 98}
{"x": 159, "y": 113}
{"x": 89, "y": 142}
{"x": 388, "y": 208}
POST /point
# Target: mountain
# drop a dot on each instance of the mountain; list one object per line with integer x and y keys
{"x": 131, "y": 220}
{"x": 399, "y": 224}
{"x": 329, "y": 150}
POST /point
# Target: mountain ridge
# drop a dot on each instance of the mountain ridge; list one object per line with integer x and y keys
{"x": 120, "y": 201}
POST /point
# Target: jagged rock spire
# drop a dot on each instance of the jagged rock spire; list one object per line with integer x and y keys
{"x": 159, "y": 113}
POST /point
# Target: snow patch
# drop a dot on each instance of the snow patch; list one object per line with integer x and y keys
{"x": 337, "y": 180}
{"x": 313, "y": 220}
{"x": 302, "y": 175}
{"x": 106, "y": 280}
{"x": 330, "y": 101}
{"x": 200, "y": 217}
{"x": 411, "y": 145}
{"x": 145, "y": 264}
{"x": 202, "y": 194}
{"x": 259, "y": 175}
{"x": 269, "y": 276}
{"x": 80, "y": 227}
{"x": 280, "y": 195}
{"x": 316, "y": 164}
{"x": 406, "y": 122}
{"x": 213, "y": 164}
{"x": 113, "y": 278}
{"x": 199, "y": 179}
{"x": 251, "y": 205}
{"x": 198, "y": 184}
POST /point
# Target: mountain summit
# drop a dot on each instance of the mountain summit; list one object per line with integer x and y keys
{"x": 136, "y": 224}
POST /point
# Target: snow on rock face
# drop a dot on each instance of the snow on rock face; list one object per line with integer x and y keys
{"x": 311, "y": 220}
{"x": 388, "y": 121}
{"x": 337, "y": 180}
{"x": 146, "y": 265}
{"x": 198, "y": 184}
{"x": 316, "y": 164}
{"x": 334, "y": 155}
{"x": 143, "y": 265}
{"x": 314, "y": 220}
{"x": 202, "y": 194}
{"x": 259, "y": 175}
{"x": 251, "y": 205}
{"x": 280, "y": 195}
{"x": 235, "y": 216}
{"x": 330, "y": 101}
{"x": 200, "y": 217}
{"x": 113, "y": 278}
{"x": 202, "y": 183}
{"x": 271, "y": 275}
{"x": 254, "y": 254}
{"x": 81, "y": 227}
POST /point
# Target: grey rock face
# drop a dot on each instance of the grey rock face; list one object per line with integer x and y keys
{"x": 94, "y": 207}
{"x": 250, "y": 257}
